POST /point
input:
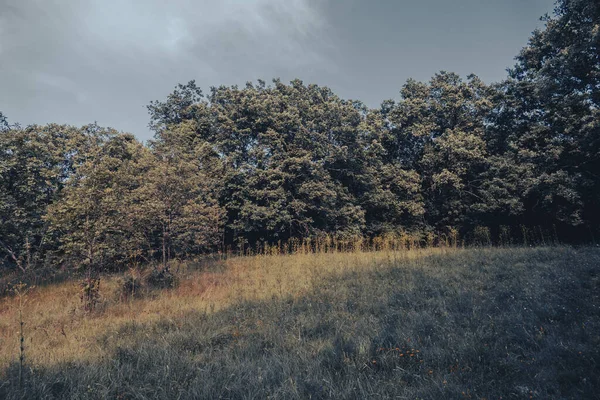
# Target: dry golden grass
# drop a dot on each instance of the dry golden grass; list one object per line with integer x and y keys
{"x": 57, "y": 329}
{"x": 423, "y": 323}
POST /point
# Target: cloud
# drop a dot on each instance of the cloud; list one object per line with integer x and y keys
{"x": 78, "y": 61}
{"x": 245, "y": 35}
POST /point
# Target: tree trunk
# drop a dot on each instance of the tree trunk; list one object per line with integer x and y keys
{"x": 13, "y": 256}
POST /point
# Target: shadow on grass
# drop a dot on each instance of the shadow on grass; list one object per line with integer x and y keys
{"x": 34, "y": 277}
{"x": 476, "y": 324}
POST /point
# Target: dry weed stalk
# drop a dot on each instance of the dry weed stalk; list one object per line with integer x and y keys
{"x": 21, "y": 290}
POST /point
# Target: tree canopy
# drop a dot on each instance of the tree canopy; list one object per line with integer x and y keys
{"x": 270, "y": 163}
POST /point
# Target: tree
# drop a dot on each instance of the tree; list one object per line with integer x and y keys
{"x": 178, "y": 196}
{"x": 389, "y": 192}
{"x": 95, "y": 218}
{"x": 548, "y": 117}
{"x": 35, "y": 163}
{"x": 4, "y": 126}
{"x": 287, "y": 156}
{"x": 438, "y": 129}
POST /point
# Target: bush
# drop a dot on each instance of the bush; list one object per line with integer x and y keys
{"x": 90, "y": 292}
{"x": 482, "y": 236}
{"x": 131, "y": 287}
{"x": 161, "y": 279}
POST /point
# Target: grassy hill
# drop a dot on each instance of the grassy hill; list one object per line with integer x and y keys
{"x": 439, "y": 323}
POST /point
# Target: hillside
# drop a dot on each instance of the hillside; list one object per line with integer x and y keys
{"x": 439, "y": 323}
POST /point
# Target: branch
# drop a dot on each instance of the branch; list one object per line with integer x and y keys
{"x": 12, "y": 255}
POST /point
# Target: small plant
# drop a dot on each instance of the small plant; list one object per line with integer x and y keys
{"x": 482, "y": 236}
{"x": 525, "y": 233}
{"x": 131, "y": 287}
{"x": 161, "y": 279}
{"x": 21, "y": 291}
{"x": 453, "y": 237}
{"x": 504, "y": 235}
{"x": 430, "y": 239}
{"x": 90, "y": 292}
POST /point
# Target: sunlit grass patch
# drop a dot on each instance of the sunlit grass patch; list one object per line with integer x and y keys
{"x": 428, "y": 324}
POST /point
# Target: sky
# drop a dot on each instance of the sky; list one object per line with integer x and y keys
{"x": 82, "y": 61}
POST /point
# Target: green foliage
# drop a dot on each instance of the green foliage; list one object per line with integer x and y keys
{"x": 438, "y": 129}
{"x": 3, "y": 122}
{"x": 293, "y": 161}
{"x": 131, "y": 287}
{"x": 280, "y": 163}
{"x": 161, "y": 279}
{"x": 548, "y": 116}
{"x": 178, "y": 197}
{"x": 95, "y": 218}
{"x": 35, "y": 163}
{"x": 89, "y": 292}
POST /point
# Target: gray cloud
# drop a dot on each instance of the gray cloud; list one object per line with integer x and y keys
{"x": 71, "y": 61}
{"x": 76, "y": 62}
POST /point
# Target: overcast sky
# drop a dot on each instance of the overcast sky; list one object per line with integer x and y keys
{"x": 80, "y": 61}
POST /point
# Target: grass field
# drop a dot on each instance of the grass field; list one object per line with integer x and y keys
{"x": 422, "y": 324}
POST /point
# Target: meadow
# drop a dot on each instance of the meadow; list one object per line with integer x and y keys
{"x": 480, "y": 323}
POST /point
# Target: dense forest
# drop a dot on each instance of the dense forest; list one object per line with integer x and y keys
{"x": 273, "y": 163}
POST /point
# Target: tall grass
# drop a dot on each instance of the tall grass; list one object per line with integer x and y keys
{"x": 327, "y": 321}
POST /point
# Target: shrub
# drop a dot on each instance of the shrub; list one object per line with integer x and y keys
{"x": 482, "y": 236}
{"x": 90, "y": 293}
{"x": 131, "y": 287}
{"x": 161, "y": 279}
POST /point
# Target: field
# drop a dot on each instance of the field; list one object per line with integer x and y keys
{"x": 480, "y": 323}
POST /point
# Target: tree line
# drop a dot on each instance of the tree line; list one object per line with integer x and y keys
{"x": 272, "y": 163}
